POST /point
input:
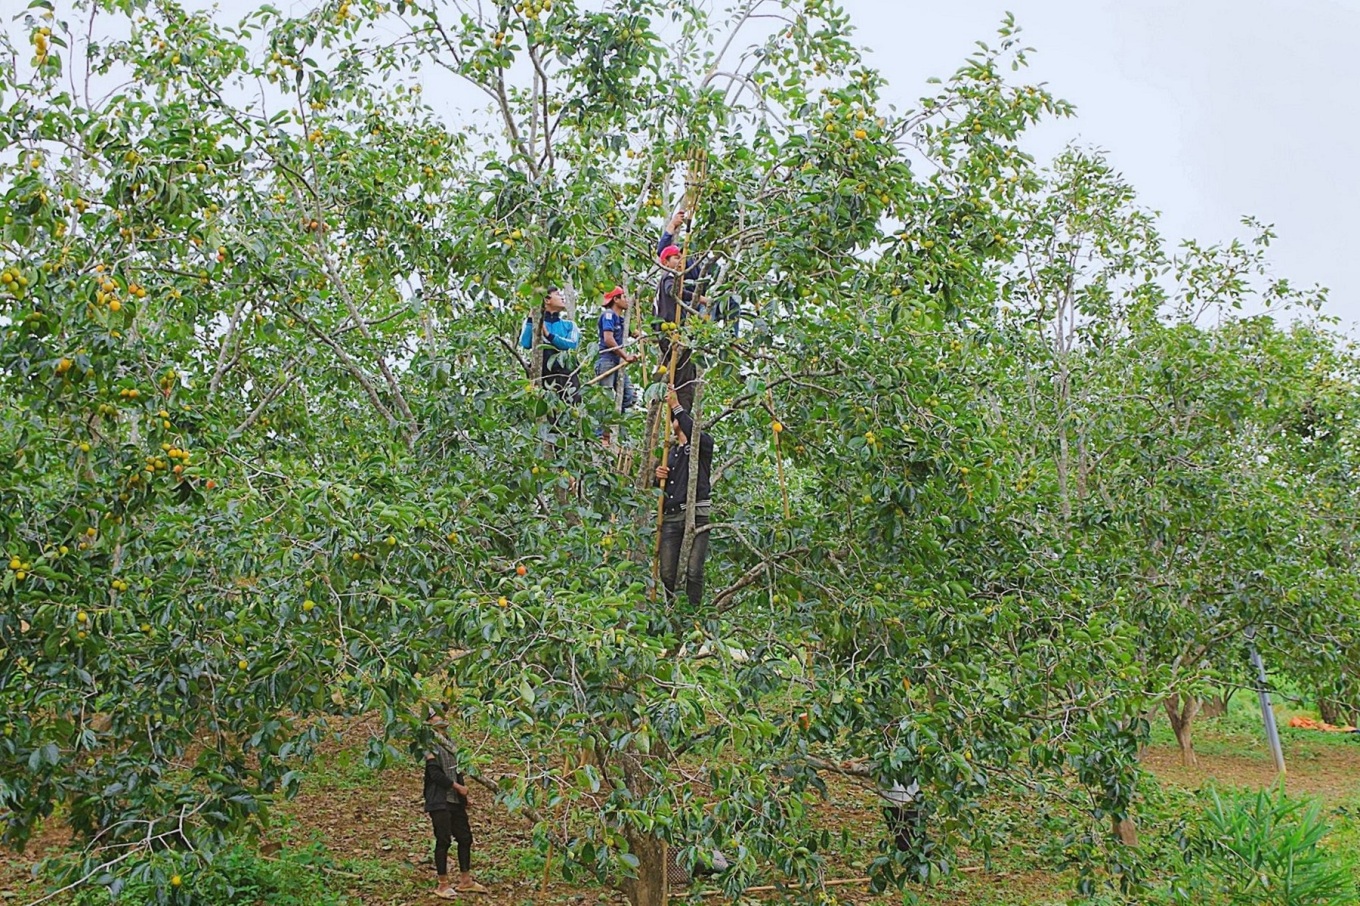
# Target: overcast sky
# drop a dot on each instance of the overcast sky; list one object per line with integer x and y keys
{"x": 1212, "y": 109}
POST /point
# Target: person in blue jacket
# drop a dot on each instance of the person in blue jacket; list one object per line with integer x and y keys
{"x": 559, "y": 336}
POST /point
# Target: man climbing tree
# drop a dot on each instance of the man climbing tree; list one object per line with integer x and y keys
{"x": 677, "y": 295}
{"x": 610, "y": 370}
{"x": 673, "y": 478}
{"x": 558, "y": 336}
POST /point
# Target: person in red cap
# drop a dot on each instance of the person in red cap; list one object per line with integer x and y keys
{"x": 676, "y": 296}
{"x": 612, "y": 353}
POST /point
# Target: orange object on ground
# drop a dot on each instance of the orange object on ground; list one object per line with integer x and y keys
{"x": 1307, "y": 723}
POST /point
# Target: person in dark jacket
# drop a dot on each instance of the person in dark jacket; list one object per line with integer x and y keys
{"x": 446, "y": 802}
{"x": 674, "y": 480}
{"x": 667, "y": 241}
{"x": 677, "y": 296}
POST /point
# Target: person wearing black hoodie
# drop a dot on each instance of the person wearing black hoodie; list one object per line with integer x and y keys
{"x": 674, "y": 480}
{"x": 446, "y": 801}
{"x": 677, "y": 294}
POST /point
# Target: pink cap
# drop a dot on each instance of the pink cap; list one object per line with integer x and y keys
{"x": 669, "y": 250}
{"x": 613, "y": 294}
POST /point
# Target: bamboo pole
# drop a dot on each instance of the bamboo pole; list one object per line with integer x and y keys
{"x": 599, "y": 377}
{"x": 665, "y": 457}
{"x": 778, "y": 450}
{"x": 694, "y": 187}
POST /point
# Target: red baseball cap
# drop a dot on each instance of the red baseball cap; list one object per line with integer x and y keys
{"x": 613, "y": 294}
{"x": 668, "y": 251}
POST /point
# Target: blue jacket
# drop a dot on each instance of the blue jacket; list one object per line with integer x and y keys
{"x": 563, "y": 334}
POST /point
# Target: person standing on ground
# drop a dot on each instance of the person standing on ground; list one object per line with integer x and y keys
{"x": 559, "y": 336}
{"x": 674, "y": 478}
{"x": 902, "y": 811}
{"x": 446, "y": 802}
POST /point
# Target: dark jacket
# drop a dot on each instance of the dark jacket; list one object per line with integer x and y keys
{"x": 667, "y": 296}
{"x": 441, "y": 773}
{"x": 696, "y": 262}
{"x": 665, "y": 308}
{"x": 677, "y": 484}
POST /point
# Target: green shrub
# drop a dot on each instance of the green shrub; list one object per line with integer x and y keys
{"x": 1265, "y": 848}
{"x": 238, "y": 876}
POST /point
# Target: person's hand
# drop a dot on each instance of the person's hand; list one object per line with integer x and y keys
{"x": 671, "y": 397}
{"x": 663, "y": 472}
{"x": 461, "y": 790}
{"x": 629, "y": 357}
{"x": 678, "y": 218}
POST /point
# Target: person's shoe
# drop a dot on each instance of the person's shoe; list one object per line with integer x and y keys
{"x": 445, "y": 893}
{"x": 471, "y": 887}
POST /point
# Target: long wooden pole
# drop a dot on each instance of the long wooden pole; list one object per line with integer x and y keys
{"x": 778, "y": 450}
{"x": 599, "y": 377}
{"x": 665, "y": 458}
{"x": 697, "y": 170}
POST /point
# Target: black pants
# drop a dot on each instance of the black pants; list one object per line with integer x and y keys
{"x": 686, "y": 375}
{"x": 904, "y": 824}
{"x": 564, "y": 382}
{"x": 451, "y": 824}
{"x": 672, "y": 537}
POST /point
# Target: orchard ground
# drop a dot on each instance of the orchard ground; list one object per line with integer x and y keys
{"x": 365, "y": 831}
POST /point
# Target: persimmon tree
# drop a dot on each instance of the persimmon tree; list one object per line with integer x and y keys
{"x": 275, "y": 455}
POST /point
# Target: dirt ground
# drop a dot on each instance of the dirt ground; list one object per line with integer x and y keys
{"x": 373, "y": 826}
{"x": 1333, "y": 776}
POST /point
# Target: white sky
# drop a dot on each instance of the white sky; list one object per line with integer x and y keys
{"x": 1212, "y": 109}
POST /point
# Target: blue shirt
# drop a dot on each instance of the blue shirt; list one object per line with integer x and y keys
{"x": 611, "y": 322}
{"x": 562, "y": 334}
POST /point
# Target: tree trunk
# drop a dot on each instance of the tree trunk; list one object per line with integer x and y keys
{"x": 536, "y": 354}
{"x": 1335, "y": 713}
{"x": 1125, "y": 831}
{"x": 692, "y": 489}
{"x": 649, "y": 888}
{"x": 1181, "y": 710}
{"x": 1214, "y": 705}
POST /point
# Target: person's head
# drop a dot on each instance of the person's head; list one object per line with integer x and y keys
{"x": 553, "y": 301}
{"x": 435, "y": 715}
{"x": 670, "y": 257}
{"x": 617, "y": 299}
